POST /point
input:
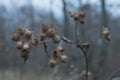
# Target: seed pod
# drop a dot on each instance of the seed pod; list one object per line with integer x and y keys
{"x": 26, "y": 47}
{"x": 63, "y": 58}
{"x": 60, "y": 49}
{"x": 81, "y": 14}
{"x": 106, "y": 33}
{"x": 56, "y": 54}
{"x": 82, "y": 21}
{"x": 19, "y": 45}
{"x": 28, "y": 34}
{"x": 52, "y": 63}
{"x": 76, "y": 17}
{"x": 15, "y": 37}
{"x": 45, "y": 28}
{"x": 33, "y": 42}
{"x": 24, "y": 55}
{"x": 72, "y": 14}
{"x": 56, "y": 38}
{"x": 43, "y": 36}
{"x": 50, "y": 32}
{"x": 21, "y": 31}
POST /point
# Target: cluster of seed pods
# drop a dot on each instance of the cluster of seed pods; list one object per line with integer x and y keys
{"x": 24, "y": 40}
{"x": 49, "y": 32}
{"x": 78, "y": 16}
{"x": 57, "y": 56}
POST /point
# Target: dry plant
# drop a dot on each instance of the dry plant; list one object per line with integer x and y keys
{"x": 25, "y": 40}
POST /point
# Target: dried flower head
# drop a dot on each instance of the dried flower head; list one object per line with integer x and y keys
{"x": 21, "y": 31}
{"x": 24, "y": 55}
{"x": 76, "y": 17}
{"x": 15, "y": 37}
{"x": 56, "y": 38}
{"x": 56, "y": 54}
{"x": 106, "y": 33}
{"x": 82, "y": 21}
{"x": 53, "y": 63}
{"x": 28, "y": 34}
{"x": 43, "y": 36}
{"x": 19, "y": 45}
{"x": 50, "y": 32}
{"x": 72, "y": 14}
{"x": 63, "y": 58}
{"x": 34, "y": 41}
{"x": 45, "y": 28}
{"x": 81, "y": 14}
{"x": 26, "y": 47}
{"x": 60, "y": 49}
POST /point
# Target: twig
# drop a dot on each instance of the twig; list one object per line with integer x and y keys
{"x": 113, "y": 74}
{"x": 68, "y": 41}
{"x": 86, "y": 61}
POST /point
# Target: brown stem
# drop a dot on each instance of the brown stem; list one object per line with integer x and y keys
{"x": 86, "y": 61}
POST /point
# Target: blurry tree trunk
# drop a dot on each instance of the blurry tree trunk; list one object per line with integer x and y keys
{"x": 31, "y": 15}
{"x": 103, "y": 47}
{"x": 65, "y": 18}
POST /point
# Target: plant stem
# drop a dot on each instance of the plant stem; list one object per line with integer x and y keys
{"x": 86, "y": 61}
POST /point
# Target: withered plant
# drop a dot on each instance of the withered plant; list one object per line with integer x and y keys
{"x": 25, "y": 40}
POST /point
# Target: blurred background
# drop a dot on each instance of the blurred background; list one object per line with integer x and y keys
{"x": 104, "y": 58}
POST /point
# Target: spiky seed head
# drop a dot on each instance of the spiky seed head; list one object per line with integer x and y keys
{"x": 26, "y": 47}
{"x": 24, "y": 55}
{"x": 28, "y": 34}
{"x": 56, "y": 54}
{"x": 19, "y": 45}
{"x": 15, "y": 37}
{"x": 81, "y": 14}
{"x": 43, "y": 36}
{"x": 51, "y": 32}
{"x": 45, "y": 28}
{"x": 34, "y": 41}
{"x": 56, "y": 38}
{"x": 60, "y": 49}
{"x": 63, "y": 58}
{"x": 21, "y": 31}
{"x": 72, "y": 14}
{"x": 53, "y": 63}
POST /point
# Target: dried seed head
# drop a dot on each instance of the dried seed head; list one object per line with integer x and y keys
{"x": 72, "y": 14}
{"x": 26, "y": 47}
{"x": 19, "y": 44}
{"x": 82, "y": 21}
{"x": 28, "y": 34}
{"x": 51, "y": 32}
{"x": 76, "y": 17}
{"x": 43, "y": 36}
{"x": 21, "y": 31}
{"x": 24, "y": 55}
{"x": 56, "y": 54}
{"x": 106, "y": 33}
{"x": 33, "y": 41}
{"x": 15, "y": 37}
{"x": 63, "y": 58}
{"x": 56, "y": 38}
{"x": 52, "y": 63}
{"x": 45, "y": 28}
{"x": 60, "y": 49}
{"x": 81, "y": 14}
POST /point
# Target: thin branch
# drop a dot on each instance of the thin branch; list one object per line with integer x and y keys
{"x": 113, "y": 74}
{"x": 68, "y": 41}
{"x": 46, "y": 41}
